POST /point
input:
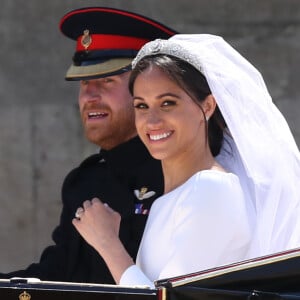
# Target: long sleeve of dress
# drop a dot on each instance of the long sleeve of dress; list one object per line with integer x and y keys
{"x": 200, "y": 225}
{"x": 134, "y": 276}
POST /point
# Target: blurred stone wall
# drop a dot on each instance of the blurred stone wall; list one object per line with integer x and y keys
{"x": 40, "y": 132}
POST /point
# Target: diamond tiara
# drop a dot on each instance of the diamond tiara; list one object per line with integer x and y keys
{"x": 167, "y": 47}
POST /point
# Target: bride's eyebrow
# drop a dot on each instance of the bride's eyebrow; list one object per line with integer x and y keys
{"x": 158, "y": 96}
{"x": 167, "y": 94}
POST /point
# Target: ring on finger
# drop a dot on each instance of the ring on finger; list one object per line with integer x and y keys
{"x": 79, "y": 212}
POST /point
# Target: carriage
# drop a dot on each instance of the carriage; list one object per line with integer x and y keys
{"x": 275, "y": 276}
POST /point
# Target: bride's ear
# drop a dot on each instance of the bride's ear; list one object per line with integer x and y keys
{"x": 209, "y": 105}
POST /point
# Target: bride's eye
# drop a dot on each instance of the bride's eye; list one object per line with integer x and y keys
{"x": 140, "y": 105}
{"x": 168, "y": 103}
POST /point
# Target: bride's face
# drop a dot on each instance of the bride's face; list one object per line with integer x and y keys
{"x": 168, "y": 121}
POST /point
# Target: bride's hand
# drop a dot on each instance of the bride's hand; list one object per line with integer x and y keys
{"x": 98, "y": 224}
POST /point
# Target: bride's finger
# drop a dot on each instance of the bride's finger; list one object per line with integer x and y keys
{"x": 108, "y": 207}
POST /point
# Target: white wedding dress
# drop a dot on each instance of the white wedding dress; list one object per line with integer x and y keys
{"x": 202, "y": 224}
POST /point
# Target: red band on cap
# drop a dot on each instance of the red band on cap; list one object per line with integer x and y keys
{"x": 107, "y": 41}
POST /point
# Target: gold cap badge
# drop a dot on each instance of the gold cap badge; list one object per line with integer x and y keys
{"x": 86, "y": 39}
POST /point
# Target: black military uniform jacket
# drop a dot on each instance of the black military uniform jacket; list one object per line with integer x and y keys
{"x": 128, "y": 179}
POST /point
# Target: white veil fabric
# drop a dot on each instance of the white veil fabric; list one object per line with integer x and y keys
{"x": 259, "y": 148}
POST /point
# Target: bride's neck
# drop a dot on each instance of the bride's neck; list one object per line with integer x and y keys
{"x": 179, "y": 170}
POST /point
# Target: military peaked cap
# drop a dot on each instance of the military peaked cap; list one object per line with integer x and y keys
{"x": 107, "y": 39}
